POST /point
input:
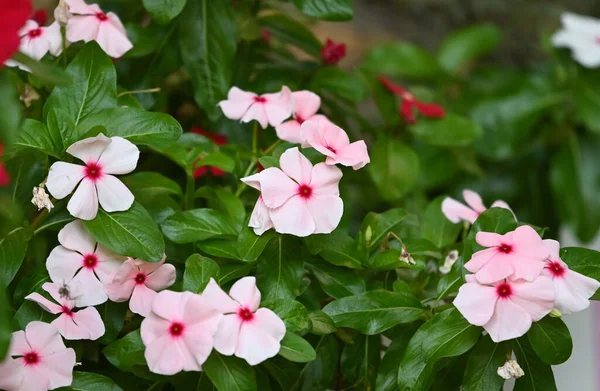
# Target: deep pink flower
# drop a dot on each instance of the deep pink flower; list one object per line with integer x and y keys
{"x": 332, "y": 52}
{"x": 410, "y": 102}
{"x": 505, "y": 308}
{"x": 37, "y": 360}
{"x": 306, "y": 105}
{"x": 260, "y": 219}
{"x": 71, "y": 324}
{"x": 40, "y": 16}
{"x": 249, "y": 332}
{"x": 4, "y": 177}
{"x": 12, "y": 18}
{"x": 572, "y": 289}
{"x": 456, "y": 211}
{"x": 178, "y": 332}
{"x": 333, "y": 142}
{"x": 138, "y": 282}
{"x": 218, "y": 139}
{"x": 517, "y": 254}
{"x": 268, "y": 109}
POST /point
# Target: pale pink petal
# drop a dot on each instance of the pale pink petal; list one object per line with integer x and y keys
{"x": 91, "y": 289}
{"x": 279, "y": 106}
{"x": 34, "y": 379}
{"x": 476, "y": 302}
{"x": 293, "y": 217}
{"x": 43, "y": 338}
{"x": 68, "y": 329}
{"x": 581, "y": 24}
{"x": 127, "y": 271}
{"x": 536, "y": 297}
{"x": 113, "y": 195}
{"x": 170, "y": 305}
{"x": 226, "y": 338}
{"x": 63, "y": 177}
{"x": 456, "y": 211}
{"x": 120, "y": 291}
{"x": 112, "y": 40}
{"x": 219, "y": 299}
{"x": 161, "y": 278}
{"x": 162, "y": 356}
{"x": 149, "y": 267}
{"x": 573, "y": 292}
{"x": 120, "y": 157}
{"x": 245, "y": 292}
{"x": 54, "y": 39}
{"x": 509, "y": 321}
{"x": 527, "y": 268}
{"x": 326, "y": 212}
{"x": 82, "y": 8}
{"x": 473, "y": 200}
{"x": 58, "y": 368}
{"x": 182, "y": 346}
{"x": 46, "y": 304}
{"x": 527, "y": 242}
{"x": 82, "y": 28}
{"x": 276, "y": 187}
{"x": 480, "y": 258}
{"x": 237, "y": 103}
{"x": 84, "y": 203}
{"x": 199, "y": 341}
{"x": 260, "y": 219}
{"x": 289, "y": 131}
{"x": 306, "y": 104}
{"x": 54, "y": 291}
{"x": 200, "y": 312}
{"x": 74, "y": 236}
{"x": 314, "y": 132}
{"x": 12, "y": 374}
{"x": 141, "y": 300}
{"x": 117, "y": 22}
{"x": 325, "y": 180}
{"x": 153, "y": 327}
{"x": 553, "y": 247}
{"x": 35, "y": 48}
{"x": 253, "y": 180}
{"x": 296, "y": 165}
{"x": 490, "y": 239}
{"x": 62, "y": 264}
{"x": 89, "y": 149}
{"x": 109, "y": 263}
{"x": 29, "y": 25}
{"x": 256, "y": 112}
{"x": 260, "y": 338}
{"x": 498, "y": 268}
{"x": 353, "y": 155}
{"x": 18, "y": 344}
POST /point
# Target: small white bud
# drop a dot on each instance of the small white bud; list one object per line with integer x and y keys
{"x": 510, "y": 369}
{"x": 449, "y": 261}
{"x": 41, "y": 199}
{"x": 555, "y": 313}
{"x": 61, "y": 13}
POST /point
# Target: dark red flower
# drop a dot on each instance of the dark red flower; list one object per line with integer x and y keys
{"x": 219, "y": 139}
{"x": 13, "y": 16}
{"x": 4, "y": 178}
{"x": 333, "y": 52}
{"x": 266, "y": 36}
{"x": 410, "y": 102}
{"x": 40, "y": 16}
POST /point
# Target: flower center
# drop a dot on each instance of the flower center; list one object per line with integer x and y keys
{"x": 140, "y": 278}
{"x": 176, "y": 329}
{"x": 330, "y": 148}
{"x": 556, "y": 269}
{"x": 67, "y": 311}
{"x": 305, "y": 191}
{"x": 260, "y": 99}
{"x": 93, "y": 171}
{"x": 299, "y": 119}
{"x": 101, "y": 16}
{"x": 245, "y": 314}
{"x": 90, "y": 261}
{"x": 34, "y": 33}
{"x": 505, "y": 248}
{"x": 31, "y": 358}
{"x": 504, "y": 290}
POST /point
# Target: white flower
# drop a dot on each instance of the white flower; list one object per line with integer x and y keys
{"x": 41, "y": 199}
{"x": 510, "y": 369}
{"x": 449, "y": 261}
{"x": 582, "y": 35}
{"x": 36, "y": 41}
{"x": 102, "y": 156}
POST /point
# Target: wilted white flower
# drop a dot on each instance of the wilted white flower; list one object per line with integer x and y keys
{"x": 449, "y": 261}
{"x": 510, "y": 369}
{"x": 406, "y": 257}
{"x": 41, "y": 199}
{"x": 28, "y": 95}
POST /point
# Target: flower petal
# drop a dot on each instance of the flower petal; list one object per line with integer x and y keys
{"x": 490, "y": 239}
{"x": 252, "y": 180}
{"x": 260, "y": 338}
{"x": 12, "y": 374}
{"x": 293, "y": 217}
{"x": 276, "y": 187}
{"x": 162, "y": 356}
{"x": 456, "y": 211}
{"x": 63, "y": 177}
{"x": 109, "y": 263}
{"x": 82, "y": 28}
{"x": 325, "y": 180}
{"x": 19, "y": 345}
{"x": 68, "y": 329}
{"x": 509, "y": 321}
{"x": 200, "y": 341}
{"x": 279, "y": 106}
{"x": 84, "y": 203}
{"x": 326, "y": 212}
{"x": 153, "y": 327}
{"x": 296, "y": 165}
{"x": 120, "y": 157}
{"x": 74, "y": 236}
{"x": 290, "y": 131}
{"x": 170, "y": 305}
{"x": 256, "y": 112}
{"x": 58, "y": 368}
{"x": 536, "y": 297}
{"x": 245, "y": 292}
{"x": 91, "y": 289}
{"x": 476, "y": 302}
{"x": 161, "y": 278}
{"x": 306, "y": 103}
{"x": 89, "y": 320}
{"x": 237, "y": 103}
{"x": 46, "y": 304}
{"x": 226, "y": 338}
{"x": 353, "y": 155}
{"x": 219, "y": 299}
{"x": 573, "y": 292}
{"x": 43, "y": 338}
{"x": 141, "y": 300}
{"x": 89, "y": 149}
{"x": 260, "y": 219}
{"x": 113, "y": 195}
{"x": 62, "y": 264}
{"x": 111, "y": 39}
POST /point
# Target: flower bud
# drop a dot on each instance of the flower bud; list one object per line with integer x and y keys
{"x": 41, "y": 199}
{"x": 449, "y": 261}
{"x": 510, "y": 369}
{"x": 61, "y": 13}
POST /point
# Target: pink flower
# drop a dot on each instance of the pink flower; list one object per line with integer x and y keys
{"x": 506, "y": 308}
{"x": 333, "y": 142}
{"x": 138, "y": 282}
{"x": 89, "y": 23}
{"x": 102, "y": 156}
{"x": 82, "y": 263}
{"x": 306, "y": 105}
{"x": 37, "y": 360}
{"x": 332, "y": 52}
{"x": 4, "y": 177}
{"x": 178, "y": 332}
{"x": 260, "y": 219}
{"x": 81, "y": 324}
{"x": 410, "y": 102}
{"x": 572, "y": 289}
{"x": 456, "y": 211}
{"x": 517, "y": 254}
{"x": 36, "y": 41}
{"x": 249, "y": 332}
{"x": 302, "y": 199}
{"x": 267, "y": 109}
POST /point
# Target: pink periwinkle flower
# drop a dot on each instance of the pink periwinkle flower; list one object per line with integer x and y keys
{"x": 517, "y": 254}
{"x": 37, "y": 40}
{"x": 456, "y": 211}
{"x": 87, "y": 22}
{"x": 306, "y": 105}
{"x": 505, "y": 308}
{"x": 138, "y": 281}
{"x": 301, "y": 199}
{"x": 267, "y": 109}
{"x": 249, "y": 332}
{"x": 37, "y": 360}
{"x": 71, "y": 324}
{"x": 82, "y": 263}
{"x": 178, "y": 332}
{"x": 260, "y": 219}
{"x": 572, "y": 289}
{"x": 333, "y": 142}
{"x": 103, "y": 157}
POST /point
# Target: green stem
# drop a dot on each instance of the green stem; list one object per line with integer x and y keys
{"x": 149, "y": 90}
{"x": 64, "y": 46}
{"x": 255, "y": 139}
{"x": 190, "y": 188}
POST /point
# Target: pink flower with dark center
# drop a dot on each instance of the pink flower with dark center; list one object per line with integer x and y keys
{"x": 138, "y": 282}
{"x": 249, "y": 332}
{"x": 573, "y": 289}
{"x": 4, "y": 177}
{"x": 333, "y": 142}
{"x": 506, "y": 308}
{"x": 89, "y": 23}
{"x": 37, "y": 360}
{"x": 36, "y": 41}
{"x": 260, "y": 219}
{"x": 517, "y": 254}
{"x": 71, "y": 324}
{"x": 103, "y": 157}
{"x": 178, "y": 332}
{"x": 456, "y": 211}
{"x": 332, "y": 52}
{"x": 84, "y": 263}
{"x": 302, "y": 199}
{"x": 40, "y": 16}
{"x": 410, "y": 103}
{"x": 306, "y": 105}
{"x": 267, "y": 109}
{"x": 218, "y": 139}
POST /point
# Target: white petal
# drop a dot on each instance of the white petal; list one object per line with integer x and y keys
{"x": 62, "y": 264}
{"x": 227, "y": 335}
{"x": 260, "y": 338}
{"x": 75, "y": 237}
{"x": 326, "y": 212}
{"x": 89, "y": 149}
{"x": 112, "y": 40}
{"x": 84, "y": 203}
{"x": 92, "y": 291}
{"x": 293, "y": 217}
{"x": 113, "y": 195}
{"x": 245, "y": 292}
{"x": 120, "y": 157}
{"x": 63, "y": 177}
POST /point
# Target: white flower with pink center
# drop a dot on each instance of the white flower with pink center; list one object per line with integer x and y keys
{"x": 37, "y": 360}
{"x": 517, "y": 254}
{"x": 582, "y": 35}
{"x": 249, "y": 332}
{"x": 178, "y": 332}
{"x": 138, "y": 281}
{"x": 456, "y": 211}
{"x": 72, "y": 323}
{"x": 260, "y": 220}
{"x": 89, "y": 23}
{"x": 267, "y": 109}
{"x": 301, "y": 199}
{"x": 573, "y": 289}
{"x": 82, "y": 262}
{"x": 506, "y": 308}
{"x": 36, "y": 41}
{"x": 306, "y": 105}
{"x": 103, "y": 157}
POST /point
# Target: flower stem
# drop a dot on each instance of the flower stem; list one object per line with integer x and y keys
{"x": 255, "y": 139}
{"x": 190, "y": 188}
{"x": 150, "y": 90}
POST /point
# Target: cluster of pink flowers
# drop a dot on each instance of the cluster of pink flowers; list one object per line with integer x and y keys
{"x": 456, "y": 211}
{"x": 297, "y": 198}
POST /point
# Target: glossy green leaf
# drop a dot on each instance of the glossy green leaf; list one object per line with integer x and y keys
{"x": 337, "y": 82}
{"x": 337, "y": 248}
{"x": 61, "y": 128}
{"x": 223, "y": 248}
{"x": 584, "y": 261}
{"x": 198, "y": 272}
{"x": 322, "y": 324}
{"x": 402, "y": 59}
{"x": 451, "y": 131}
{"x": 294, "y": 314}
{"x": 293, "y": 32}
{"x": 163, "y": 11}
{"x": 88, "y": 381}
{"x": 376, "y": 226}
{"x": 337, "y": 282}
{"x": 435, "y": 227}
{"x": 43, "y": 71}
{"x": 321, "y": 373}
{"x": 5, "y": 329}
{"x": 551, "y": 340}
{"x": 250, "y": 245}
{"x": 284, "y": 372}
{"x": 229, "y": 373}
{"x": 218, "y": 160}
{"x": 360, "y": 360}
{"x": 197, "y": 224}
{"x": 233, "y": 271}
{"x": 10, "y": 110}
{"x": 12, "y": 251}
{"x": 280, "y": 269}
{"x": 481, "y": 373}
{"x": 539, "y": 376}
{"x": 225, "y": 201}
{"x": 297, "y": 349}
{"x": 126, "y": 352}
{"x": 151, "y": 184}
{"x": 464, "y": 46}
{"x": 387, "y": 375}
{"x": 334, "y": 10}
{"x": 36, "y": 135}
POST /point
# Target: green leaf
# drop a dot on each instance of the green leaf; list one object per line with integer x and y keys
{"x": 5, "y": 329}
{"x": 186, "y": 151}
{"x": 387, "y": 376}
{"x": 269, "y": 161}
{"x": 132, "y": 233}
{"x": 376, "y": 226}
{"x": 250, "y": 245}
{"x": 232, "y": 271}
{"x": 198, "y": 271}
{"x": 284, "y": 372}
{"x": 339, "y": 83}
{"x": 229, "y": 373}
{"x": 93, "y": 87}
{"x": 221, "y": 248}
{"x": 322, "y": 324}
{"x": 451, "y": 131}
{"x": 297, "y": 349}
{"x": 360, "y": 360}
{"x": 163, "y": 11}
{"x": 36, "y": 135}
{"x": 10, "y": 110}
{"x": 464, "y": 46}
{"x": 337, "y": 282}
{"x": 337, "y": 248}
{"x": 586, "y": 96}
{"x": 61, "y": 128}
{"x": 388, "y": 260}
{"x": 126, "y": 352}
{"x": 136, "y": 125}
{"x": 207, "y": 43}
{"x": 584, "y": 261}
{"x": 482, "y": 366}
{"x": 197, "y": 224}
{"x": 551, "y": 340}
{"x": 293, "y": 313}
{"x": 218, "y": 160}
{"x": 375, "y": 311}
{"x": 293, "y": 32}
{"x": 44, "y": 72}
{"x": 87, "y": 381}
{"x": 538, "y": 376}
{"x": 225, "y": 201}
{"x": 402, "y": 59}
{"x": 280, "y": 269}
{"x": 321, "y": 373}
{"x": 151, "y": 184}
{"x": 435, "y": 227}
{"x": 394, "y": 168}
{"x": 333, "y": 10}
{"x": 447, "y": 334}
{"x": 113, "y": 315}
{"x": 12, "y": 251}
